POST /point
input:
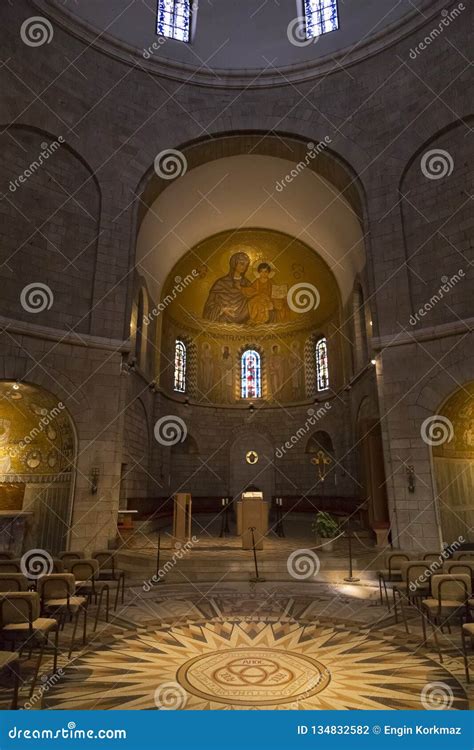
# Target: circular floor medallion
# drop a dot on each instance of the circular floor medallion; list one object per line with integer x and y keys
{"x": 256, "y": 676}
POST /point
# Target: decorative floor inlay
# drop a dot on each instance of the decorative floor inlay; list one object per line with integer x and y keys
{"x": 221, "y": 663}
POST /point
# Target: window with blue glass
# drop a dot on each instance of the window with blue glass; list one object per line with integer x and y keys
{"x": 250, "y": 375}
{"x": 321, "y": 16}
{"x": 322, "y": 365}
{"x": 174, "y": 19}
{"x": 179, "y": 366}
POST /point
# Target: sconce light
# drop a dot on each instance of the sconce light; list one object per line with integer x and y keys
{"x": 94, "y": 479}
{"x": 411, "y": 478}
{"x": 373, "y": 361}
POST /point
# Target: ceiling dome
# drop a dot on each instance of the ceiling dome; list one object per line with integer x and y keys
{"x": 240, "y": 39}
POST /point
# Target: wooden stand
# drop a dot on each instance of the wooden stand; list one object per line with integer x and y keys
{"x": 252, "y": 512}
{"x": 182, "y": 517}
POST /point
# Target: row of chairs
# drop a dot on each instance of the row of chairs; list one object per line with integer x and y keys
{"x": 29, "y": 617}
{"x": 441, "y": 590}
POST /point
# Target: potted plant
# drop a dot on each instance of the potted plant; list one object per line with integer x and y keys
{"x": 325, "y": 528}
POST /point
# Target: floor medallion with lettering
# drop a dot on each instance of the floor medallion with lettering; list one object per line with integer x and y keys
{"x": 261, "y": 677}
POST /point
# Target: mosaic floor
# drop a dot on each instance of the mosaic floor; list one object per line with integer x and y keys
{"x": 236, "y": 649}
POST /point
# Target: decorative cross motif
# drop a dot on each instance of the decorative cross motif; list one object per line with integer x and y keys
{"x": 321, "y": 460}
{"x": 251, "y": 457}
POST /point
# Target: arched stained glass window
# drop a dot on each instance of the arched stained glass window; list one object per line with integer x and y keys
{"x": 322, "y": 365}
{"x": 174, "y": 19}
{"x": 321, "y": 16}
{"x": 250, "y": 375}
{"x": 179, "y": 366}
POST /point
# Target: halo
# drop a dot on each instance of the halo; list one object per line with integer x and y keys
{"x": 256, "y": 264}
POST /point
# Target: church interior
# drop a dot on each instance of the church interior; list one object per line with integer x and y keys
{"x": 236, "y": 360}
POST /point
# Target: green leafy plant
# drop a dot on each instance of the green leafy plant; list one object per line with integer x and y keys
{"x": 325, "y": 526}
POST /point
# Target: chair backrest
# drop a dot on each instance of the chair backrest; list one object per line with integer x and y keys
{"x": 67, "y": 556}
{"x": 10, "y": 566}
{"x": 105, "y": 558}
{"x": 56, "y": 586}
{"x": 58, "y": 565}
{"x": 451, "y": 587}
{"x": 84, "y": 570}
{"x": 6, "y": 555}
{"x": 416, "y": 574}
{"x": 10, "y": 582}
{"x": 463, "y": 555}
{"x": 456, "y": 567}
{"x": 19, "y": 607}
{"x": 394, "y": 559}
{"x": 434, "y": 557}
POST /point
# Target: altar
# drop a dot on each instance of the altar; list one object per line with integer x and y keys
{"x": 252, "y": 512}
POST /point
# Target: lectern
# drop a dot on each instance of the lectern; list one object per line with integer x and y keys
{"x": 182, "y": 517}
{"x": 252, "y": 511}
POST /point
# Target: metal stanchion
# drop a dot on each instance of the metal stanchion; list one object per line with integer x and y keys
{"x": 350, "y": 578}
{"x": 256, "y": 578}
{"x": 280, "y": 531}
{"x": 158, "y": 551}
{"x": 225, "y": 518}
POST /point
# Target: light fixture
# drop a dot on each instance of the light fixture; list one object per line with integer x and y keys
{"x": 94, "y": 479}
{"x": 373, "y": 361}
{"x": 411, "y": 478}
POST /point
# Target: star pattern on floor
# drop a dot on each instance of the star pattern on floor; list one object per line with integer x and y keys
{"x": 228, "y": 664}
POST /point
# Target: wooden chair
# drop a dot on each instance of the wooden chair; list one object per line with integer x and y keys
{"x": 21, "y": 622}
{"x": 449, "y": 599}
{"x": 57, "y": 593}
{"x": 465, "y": 567}
{"x": 10, "y": 566}
{"x": 13, "y": 582}
{"x": 415, "y": 585}
{"x": 68, "y": 557}
{"x": 391, "y": 571}
{"x": 10, "y": 664}
{"x": 467, "y": 631}
{"x": 108, "y": 571}
{"x": 86, "y": 574}
{"x": 463, "y": 555}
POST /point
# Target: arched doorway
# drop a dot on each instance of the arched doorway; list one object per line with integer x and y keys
{"x": 37, "y": 452}
{"x": 246, "y": 471}
{"x": 451, "y": 435}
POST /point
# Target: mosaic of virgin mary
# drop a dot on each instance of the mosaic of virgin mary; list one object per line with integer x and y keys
{"x": 226, "y": 301}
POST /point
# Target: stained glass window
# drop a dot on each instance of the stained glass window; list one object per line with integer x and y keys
{"x": 322, "y": 365}
{"x": 174, "y": 19}
{"x": 321, "y": 16}
{"x": 179, "y": 366}
{"x": 250, "y": 375}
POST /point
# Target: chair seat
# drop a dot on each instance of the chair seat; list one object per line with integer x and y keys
{"x": 84, "y": 585}
{"x": 389, "y": 575}
{"x": 108, "y": 574}
{"x": 468, "y": 628}
{"x": 446, "y": 604}
{"x": 407, "y": 591}
{"x": 7, "y": 659}
{"x": 73, "y": 603}
{"x": 41, "y": 624}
